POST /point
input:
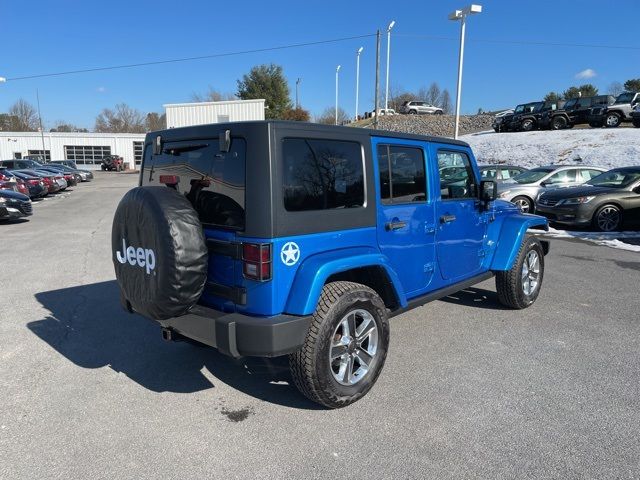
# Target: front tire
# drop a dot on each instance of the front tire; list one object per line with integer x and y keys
{"x": 528, "y": 125}
{"x": 345, "y": 348}
{"x": 525, "y": 204}
{"x": 519, "y": 287}
{"x": 636, "y": 123}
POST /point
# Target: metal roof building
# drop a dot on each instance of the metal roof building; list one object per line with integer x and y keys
{"x": 202, "y": 113}
{"x": 86, "y": 149}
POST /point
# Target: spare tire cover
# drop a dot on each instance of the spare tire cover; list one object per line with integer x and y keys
{"x": 159, "y": 252}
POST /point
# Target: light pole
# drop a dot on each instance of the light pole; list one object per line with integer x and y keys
{"x": 297, "y": 86}
{"x": 358, "y": 78}
{"x": 337, "y": 71}
{"x": 386, "y": 95}
{"x": 455, "y": 16}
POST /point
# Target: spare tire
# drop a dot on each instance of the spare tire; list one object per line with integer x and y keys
{"x": 159, "y": 252}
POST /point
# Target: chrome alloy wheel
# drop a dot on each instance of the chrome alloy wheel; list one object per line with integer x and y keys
{"x": 530, "y": 273}
{"x": 354, "y": 346}
{"x": 608, "y": 219}
{"x": 523, "y": 203}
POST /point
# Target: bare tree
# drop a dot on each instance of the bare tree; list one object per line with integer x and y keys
{"x": 445, "y": 102}
{"x": 433, "y": 95}
{"x": 23, "y": 117}
{"x": 212, "y": 95}
{"x": 122, "y": 119}
{"x": 615, "y": 89}
{"x": 328, "y": 117}
{"x": 62, "y": 126}
{"x": 155, "y": 121}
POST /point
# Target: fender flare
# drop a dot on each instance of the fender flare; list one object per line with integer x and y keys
{"x": 315, "y": 270}
{"x": 513, "y": 231}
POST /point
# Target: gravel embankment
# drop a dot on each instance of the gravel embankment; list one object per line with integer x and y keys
{"x": 438, "y": 125}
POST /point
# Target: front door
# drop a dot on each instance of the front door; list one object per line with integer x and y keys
{"x": 406, "y": 224}
{"x": 461, "y": 223}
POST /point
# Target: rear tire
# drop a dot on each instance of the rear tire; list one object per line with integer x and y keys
{"x": 345, "y": 348}
{"x": 519, "y": 287}
{"x": 612, "y": 120}
{"x": 559, "y": 123}
{"x": 412, "y": 112}
{"x": 608, "y": 218}
{"x": 438, "y": 112}
{"x": 636, "y": 123}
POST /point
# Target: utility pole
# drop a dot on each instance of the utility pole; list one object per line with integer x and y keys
{"x": 337, "y": 72}
{"x": 357, "y": 79}
{"x": 386, "y": 95}
{"x": 376, "y": 108}
{"x": 44, "y": 150}
{"x": 297, "y": 86}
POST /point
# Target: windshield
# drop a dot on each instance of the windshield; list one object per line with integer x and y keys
{"x": 619, "y": 178}
{"x": 532, "y": 176}
{"x": 625, "y": 98}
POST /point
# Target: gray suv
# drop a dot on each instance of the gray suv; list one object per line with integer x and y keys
{"x": 524, "y": 189}
{"x": 417, "y": 107}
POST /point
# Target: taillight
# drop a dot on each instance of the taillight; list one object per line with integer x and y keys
{"x": 256, "y": 261}
{"x": 170, "y": 180}
{"x": 34, "y": 181}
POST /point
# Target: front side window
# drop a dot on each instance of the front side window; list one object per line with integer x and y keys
{"x": 402, "y": 174}
{"x": 564, "y": 176}
{"x": 322, "y": 174}
{"x": 460, "y": 185}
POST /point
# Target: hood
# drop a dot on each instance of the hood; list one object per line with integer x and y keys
{"x": 10, "y": 194}
{"x": 579, "y": 191}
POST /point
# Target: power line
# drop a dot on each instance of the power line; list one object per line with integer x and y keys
{"x": 520, "y": 42}
{"x": 189, "y": 59}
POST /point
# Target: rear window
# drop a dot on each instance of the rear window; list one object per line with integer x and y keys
{"x": 213, "y": 181}
{"x": 322, "y": 174}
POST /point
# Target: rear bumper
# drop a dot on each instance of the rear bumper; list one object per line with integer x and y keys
{"x": 240, "y": 335}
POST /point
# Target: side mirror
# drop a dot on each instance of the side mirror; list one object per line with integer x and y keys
{"x": 224, "y": 140}
{"x": 488, "y": 191}
{"x": 637, "y": 189}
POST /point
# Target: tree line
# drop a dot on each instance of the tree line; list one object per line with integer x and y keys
{"x": 589, "y": 90}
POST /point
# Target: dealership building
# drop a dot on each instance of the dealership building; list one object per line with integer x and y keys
{"x": 87, "y": 149}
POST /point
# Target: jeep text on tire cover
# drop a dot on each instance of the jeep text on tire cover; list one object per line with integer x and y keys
{"x": 284, "y": 238}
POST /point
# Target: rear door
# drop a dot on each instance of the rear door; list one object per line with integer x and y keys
{"x": 461, "y": 223}
{"x": 406, "y": 223}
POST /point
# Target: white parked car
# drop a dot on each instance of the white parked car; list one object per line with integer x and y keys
{"x": 416, "y": 107}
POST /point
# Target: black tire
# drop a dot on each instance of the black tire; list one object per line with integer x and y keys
{"x": 103, "y": 168}
{"x": 311, "y": 368}
{"x": 636, "y": 123}
{"x": 558, "y": 123}
{"x": 412, "y": 112}
{"x": 525, "y": 203}
{"x": 496, "y": 129}
{"x": 438, "y": 112}
{"x": 612, "y": 120}
{"x": 608, "y": 218}
{"x": 527, "y": 125}
{"x": 510, "y": 285}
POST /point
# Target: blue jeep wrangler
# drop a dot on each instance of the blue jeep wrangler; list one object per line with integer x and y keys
{"x": 281, "y": 238}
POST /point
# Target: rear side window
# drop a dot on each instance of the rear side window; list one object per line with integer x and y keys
{"x": 322, "y": 174}
{"x": 213, "y": 181}
{"x": 402, "y": 174}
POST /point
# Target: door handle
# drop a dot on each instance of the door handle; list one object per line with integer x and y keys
{"x": 390, "y": 226}
{"x": 447, "y": 218}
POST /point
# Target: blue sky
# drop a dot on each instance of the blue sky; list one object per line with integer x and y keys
{"x": 46, "y": 37}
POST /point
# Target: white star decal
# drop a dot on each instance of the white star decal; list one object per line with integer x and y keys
{"x": 290, "y": 254}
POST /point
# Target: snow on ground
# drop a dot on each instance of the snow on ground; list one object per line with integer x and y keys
{"x": 621, "y": 240}
{"x": 607, "y": 148}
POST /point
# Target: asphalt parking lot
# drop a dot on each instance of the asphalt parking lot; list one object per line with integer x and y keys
{"x": 470, "y": 389}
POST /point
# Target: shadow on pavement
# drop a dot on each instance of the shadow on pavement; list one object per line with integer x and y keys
{"x": 476, "y": 297}
{"x": 88, "y": 326}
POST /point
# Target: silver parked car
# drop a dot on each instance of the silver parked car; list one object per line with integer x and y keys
{"x": 524, "y": 189}
{"x": 417, "y": 107}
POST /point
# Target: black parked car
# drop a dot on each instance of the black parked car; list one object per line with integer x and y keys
{"x": 14, "y": 205}
{"x": 36, "y": 185}
{"x": 608, "y": 202}
{"x": 576, "y": 111}
{"x": 532, "y": 116}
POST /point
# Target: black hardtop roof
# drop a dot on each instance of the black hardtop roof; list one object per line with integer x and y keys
{"x": 202, "y": 131}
